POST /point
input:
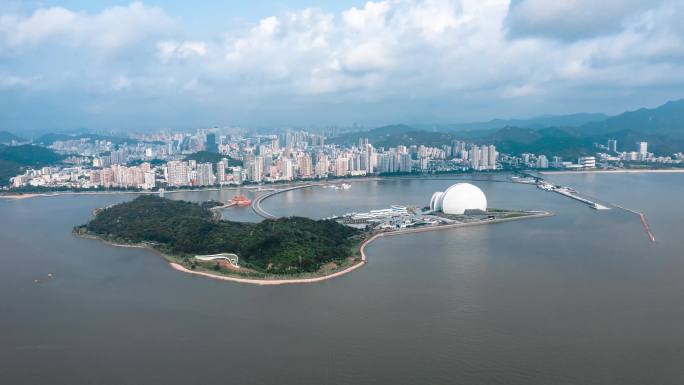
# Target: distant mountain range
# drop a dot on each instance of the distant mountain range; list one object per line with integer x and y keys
{"x": 572, "y": 120}
{"x": 667, "y": 119}
{"x": 8, "y": 137}
{"x": 48, "y": 139}
{"x": 567, "y": 135}
{"x": 662, "y": 127}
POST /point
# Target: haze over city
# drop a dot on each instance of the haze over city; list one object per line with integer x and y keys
{"x": 177, "y": 64}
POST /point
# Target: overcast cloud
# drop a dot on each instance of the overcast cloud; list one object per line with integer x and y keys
{"x": 140, "y": 66}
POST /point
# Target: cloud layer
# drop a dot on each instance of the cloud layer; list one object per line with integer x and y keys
{"x": 137, "y": 66}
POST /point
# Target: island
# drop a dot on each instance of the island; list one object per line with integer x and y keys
{"x": 279, "y": 249}
{"x": 195, "y": 239}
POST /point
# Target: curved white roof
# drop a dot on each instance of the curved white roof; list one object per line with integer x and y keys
{"x": 436, "y": 201}
{"x": 461, "y": 197}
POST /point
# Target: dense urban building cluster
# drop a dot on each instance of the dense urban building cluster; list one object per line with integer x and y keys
{"x": 166, "y": 160}
{"x": 639, "y": 153}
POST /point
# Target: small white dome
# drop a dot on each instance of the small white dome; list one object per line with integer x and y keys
{"x": 459, "y": 198}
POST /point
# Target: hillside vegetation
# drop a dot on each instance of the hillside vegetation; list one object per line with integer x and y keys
{"x": 212, "y": 157}
{"x": 8, "y": 137}
{"x": 282, "y": 246}
{"x": 14, "y": 159}
{"x": 568, "y": 136}
{"x": 395, "y": 135}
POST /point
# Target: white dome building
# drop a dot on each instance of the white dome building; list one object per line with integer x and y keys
{"x": 459, "y": 198}
{"x": 436, "y": 201}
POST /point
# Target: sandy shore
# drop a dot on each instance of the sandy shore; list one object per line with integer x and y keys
{"x": 55, "y": 194}
{"x": 625, "y": 171}
{"x": 213, "y": 188}
{"x": 19, "y": 196}
{"x": 254, "y": 281}
{"x": 362, "y": 251}
{"x": 362, "y": 247}
{"x": 284, "y": 281}
{"x": 265, "y": 282}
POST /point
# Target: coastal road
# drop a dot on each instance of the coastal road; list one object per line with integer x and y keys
{"x": 256, "y": 203}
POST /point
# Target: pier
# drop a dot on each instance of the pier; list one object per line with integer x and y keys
{"x": 565, "y": 191}
{"x": 642, "y": 218}
{"x": 562, "y": 190}
{"x": 576, "y": 197}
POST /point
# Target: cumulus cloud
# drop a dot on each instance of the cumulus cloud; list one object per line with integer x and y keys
{"x": 405, "y": 57}
{"x": 113, "y": 28}
{"x": 371, "y": 16}
{"x": 168, "y": 50}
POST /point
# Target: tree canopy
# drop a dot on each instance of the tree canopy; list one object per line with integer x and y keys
{"x": 280, "y": 246}
{"x": 13, "y": 159}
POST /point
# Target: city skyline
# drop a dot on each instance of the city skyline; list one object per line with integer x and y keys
{"x": 208, "y": 158}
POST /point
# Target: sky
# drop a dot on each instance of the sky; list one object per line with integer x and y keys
{"x": 119, "y": 65}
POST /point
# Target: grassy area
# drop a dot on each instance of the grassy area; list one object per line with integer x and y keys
{"x": 496, "y": 213}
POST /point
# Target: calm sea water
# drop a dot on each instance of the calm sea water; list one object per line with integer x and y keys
{"x": 579, "y": 298}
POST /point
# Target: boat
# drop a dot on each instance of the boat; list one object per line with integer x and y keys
{"x": 343, "y": 186}
{"x": 239, "y": 200}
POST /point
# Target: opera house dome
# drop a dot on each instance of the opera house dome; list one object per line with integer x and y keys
{"x": 458, "y": 198}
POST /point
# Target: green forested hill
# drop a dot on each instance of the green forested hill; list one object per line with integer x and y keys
{"x": 28, "y": 155}
{"x": 212, "y": 157}
{"x": 13, "y": 159}
{"x": 8, "y": 137}
{"x": 395, "y": 135}
{"x": 665, "y": 120}
{"x": 281, "y": 246}
{"x": 568, "y": 136}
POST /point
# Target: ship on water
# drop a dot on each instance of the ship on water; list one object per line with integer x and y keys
{"x": 239, "y": 200}
{"x": 343, "y": 186}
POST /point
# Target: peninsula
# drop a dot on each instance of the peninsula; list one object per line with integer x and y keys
{"x": 195, "y": 240}
{"x": 274, "y": 249}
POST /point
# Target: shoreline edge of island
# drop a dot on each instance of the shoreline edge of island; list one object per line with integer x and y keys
{"x": 285, "y": 281}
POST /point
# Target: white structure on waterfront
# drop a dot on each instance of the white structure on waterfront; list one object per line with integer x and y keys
{"x": 459, "y": 198}
{"x": 229, "y": 257}
{"x": 436, "y": 201}
{"x": 394, "y": 211}
{"x": 587, "y": 162}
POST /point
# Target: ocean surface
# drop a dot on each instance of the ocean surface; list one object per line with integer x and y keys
{"x": 582, "y": 297}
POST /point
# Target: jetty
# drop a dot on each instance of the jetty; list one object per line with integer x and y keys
{"x": 642, "y": 218}
{"x": 568, "y": 192}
